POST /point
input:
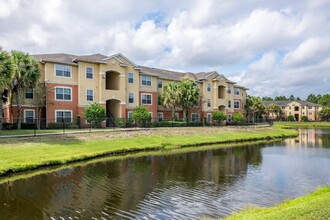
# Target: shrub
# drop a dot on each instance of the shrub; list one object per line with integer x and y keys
{"x": 95, "y": 113}
{"x": 219, "y": 116}
{"x": 141, "y": 116}
{"x": 304, "y": 118}
{"x": 290, "y": 118}
{"x": 238, "y": 117}
{"x": 59, "y": 125}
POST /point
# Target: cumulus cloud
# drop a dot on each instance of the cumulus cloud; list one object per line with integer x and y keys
{"x": 275, "y": 47}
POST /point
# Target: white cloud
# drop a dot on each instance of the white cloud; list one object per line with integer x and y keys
{"x": 8, "y": 7}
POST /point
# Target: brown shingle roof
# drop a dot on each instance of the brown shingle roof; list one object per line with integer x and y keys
{"x": 161, "y": 73}
{"x": 56, "y": 58}
{"x": 94, "y": 58}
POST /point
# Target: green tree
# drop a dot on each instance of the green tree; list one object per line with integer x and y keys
{"x": 325, "y": 114}
{"x": 304, "y": 118}
{"x": 220, "y": 116}
{"x": 312, "y": 98}
{"x": 266, "y": 98}
{"x": 95, "y": 114}
{"x": 40, "y": 100}
{"x": 25, "y": 74}
{"x": 290, "y": 118}
{"x": 255, "y": 108}
{"x": 325, "y": 100}
{"x": 280, "y": 98}
{"x": 170, "y": 97}
{"x": 274, "y": 110}
{"x": 238, "y": 117}
{"x": 6, "y": 71}
{"x": 141, "y": 115}
{"x": 189, "y": 95}
{"x": 292, "y": 98}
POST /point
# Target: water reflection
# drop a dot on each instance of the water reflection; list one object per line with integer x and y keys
{"x": 179, "y": 186}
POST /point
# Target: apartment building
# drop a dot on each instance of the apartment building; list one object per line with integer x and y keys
{"x": 116, "y": 82}
{"x": 297, "y": 109}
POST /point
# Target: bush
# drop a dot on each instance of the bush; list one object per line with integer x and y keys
{"x": 220, "y": 116}
{"x": 95, "y": 113}
{"x": 141, "y": 116}
{"x": 238, "y": 118}
{"x": 121, "y": 123}
{"x": 304, "y": 118}
{"x": 290, "y": 118}
{"x": 9, "y": 126}
{"x": 59, "y": 125}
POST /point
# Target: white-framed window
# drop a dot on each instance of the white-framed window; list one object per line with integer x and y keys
{"x": 130, "y": 78}
{"x": 209, "y": 117}
{"x": 310, "y": 113}
{"x": 62, "y": 70}
{"x": 160, "y": 83}
{"x": 209, "y": 103}
{"x": 29, "y": 93}
{"x": 63, "y": 94}
{"x": 89, "y": 72}
{"x": 176, "y": 115}
{"x": 236, "y": 91}
{"x": 90, "y": 95}
{"x": 230, "y": 118}
{"x": 194, "y": 117}
{"x": 130, "y": 97}
{"x": 129, "y": 114}
{"x": 310, "y": 107}
{"x": 229, "y": 89}
{"x": 236, "y": 104}
{"x": 229, "y": 103}
{"x": 146, "y": 99}
{"x": 145, "y": 80}
{"x": 160, "y": 116}
{"x": 208, "y": 87}
{"x": 303, "y": 113}
{"x": 63, "y": 115}
{"x": 29, "y": 115}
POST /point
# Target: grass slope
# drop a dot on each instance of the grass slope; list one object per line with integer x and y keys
{"x": 18, "y": 155}
{"x": 313, "y": 206}
{"x": 289, "y": 125}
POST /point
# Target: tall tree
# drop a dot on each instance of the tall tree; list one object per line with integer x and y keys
{"x": 274, "y": 110}
{"x": 25, "y": 74}
{"x": 280, "y": 98}
{"x": 266, "y": 98}
{"x": 325, "y": 100}
{"x": 292, "y": 98}
{"x": 6, "y": 69}
{"x": 255, "y": 107}
{"x": 189, "y": 95}
{"x": 312, "y": 98}
{"x": 170, "y": 97}
{"x": 39, "y": 99}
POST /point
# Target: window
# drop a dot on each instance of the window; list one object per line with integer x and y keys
{"x": 303, "y": 107}
{"x": 160, "y": 116}
{"x": 29, "y": 93}
{"x": 146, "y": 80}
{"x": 160, "y": 83}
{"x": 236, "y": 104}
{"x": 303, "y": 113}
{"x": 90, "y": 96}
{"x": 89, "y": 73}
{"x": 229, "y": 103}
{"x": 209, "y": 87}
{"x": 146, "y": 99}
{"x": 129, "y": 115}
{"x": 194, "y": 117}
{"x": 63, "y": 94}
{"x": 283, "y": 107}
{"x": 236, "y": 91}
{"x": 130, "y": 97}
{"x": 130, "y": 78}
{"x": 229, "y": 89}
{"x": 209, "y": 117}
{"x": 209, "y": 103}
{"x": 310, "y": 107}
{"x": 310, "y": 113}
{"x": 159, "y": 100}
{"x": 229, "y": 118}
{"x": 29, "y": 116}
{"x": 62, "y": 70}
{"x": 63, "y": 116}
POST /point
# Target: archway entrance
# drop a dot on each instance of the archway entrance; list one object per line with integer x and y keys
{"x": 113, "y": 111}
{"x": 222, "y": 107}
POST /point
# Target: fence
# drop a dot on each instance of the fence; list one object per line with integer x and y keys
{"x": 33, "y": 127}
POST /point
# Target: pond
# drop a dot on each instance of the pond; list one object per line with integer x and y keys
{"x": 206, "y": 183}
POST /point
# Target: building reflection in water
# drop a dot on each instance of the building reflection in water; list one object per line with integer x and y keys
{"x": 310, "y": 138}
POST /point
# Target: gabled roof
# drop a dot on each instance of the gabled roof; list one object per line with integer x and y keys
{"x": 161, "y": 73}
{"x": 56, "y": 58}
{"x": 284, "y": 103}
{"x": 118, "y": 56}
{"x": 94, "y": 58}
{"x": 225, "y": 78}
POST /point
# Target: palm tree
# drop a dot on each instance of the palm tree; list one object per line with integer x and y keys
{"x": 255, "y": 107}
{"x": 26, "y": 73}
{"x": 170, "y": 97}
{"x": 273, "y": 110}
{"x": 5, "y": 76}
{"x": 189, "y": 95}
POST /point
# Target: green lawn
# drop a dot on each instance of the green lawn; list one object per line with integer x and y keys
{"x": 26, "y": 154}
{"x": 313, "y": 206}
{"x": 302, "y": 124}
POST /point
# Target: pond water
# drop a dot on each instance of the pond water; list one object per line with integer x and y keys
{"x": 206, "y": 183}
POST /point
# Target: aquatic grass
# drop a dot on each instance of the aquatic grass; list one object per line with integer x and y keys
{"x": 33, "y": 153}
{"x": 312, "y": 206}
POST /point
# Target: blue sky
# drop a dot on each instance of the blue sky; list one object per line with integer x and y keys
{"x": 273, "y": 47}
